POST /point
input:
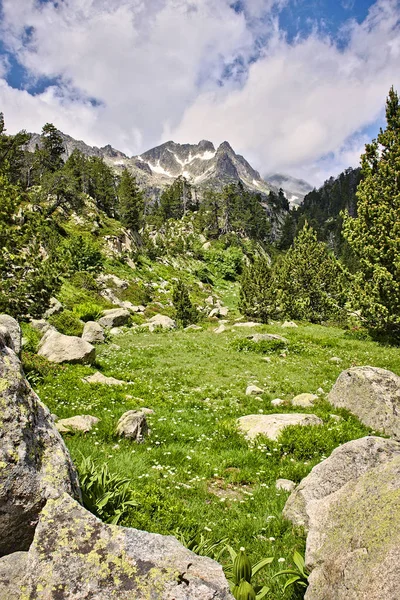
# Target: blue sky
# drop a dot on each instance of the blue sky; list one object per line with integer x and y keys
{"x": 296, "y": 86}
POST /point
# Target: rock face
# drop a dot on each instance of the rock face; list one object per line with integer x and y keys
{"x": 133, "y": 425}
{"x": 59, "y": 348}
{"x": 93, "y": 333}
{"x": 114, "y": 317}
{"x": 42, "y": 325}
{"x": 12, "y": 331}
{"x": 272, "y": 425}
{"x": 34, "y": 462}
{"x": 373, "y": 395}
{"x": 350, "y": 504}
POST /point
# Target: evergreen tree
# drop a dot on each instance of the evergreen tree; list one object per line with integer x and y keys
{"x": 185, "y": 313}
{"x": 374, "y": 234}
{"x": 131, "y": 202}
{"x": 176, "y": 200}
{"x": 102, "y": 185}
{"x": 255, "y": 298}
{"x": 48, "y": 157}
{"x": 12, "y": 155}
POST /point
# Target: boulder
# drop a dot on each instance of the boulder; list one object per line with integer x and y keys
{"x": 219, "y": 311}
{"x": 34, "y": 462}
{"x": 82, "y": 423}
{"x": 277, "y": 402}
{"x": 12, "y": 331}
{"x": 350, "y": 504}
{"x": 193, "y": 328}
{"x": 114, "y": 317}
{"x": 59, "y": 348}
{"x": 161, "y": 321}
{"x": 288, "y": 324}
{"x": 267, "y": 337}
{"x": 253, "y": 390}
{"x": 75, "y": 556}
{"x": 272, "y": 425}
{"x": 287, "y": 485}
{"x": 116, "y": 281}
{"x": 220, "y": 329}
{"x": 42, "y": 326}
{"x": 304, "y": 400}
{"x": 54, "y": 308}
{"x": 102, "y": 379}
{"x": 133, "y": 425}
{"x": 93, "y": 333}
{"x": 373, "y": 395}
{"x": 248, "y": 324}
{"x": 12, "y": 570}
{"x": 347, "y": 463}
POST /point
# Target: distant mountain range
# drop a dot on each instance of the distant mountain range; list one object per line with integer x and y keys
{"x": 202, "y": 164}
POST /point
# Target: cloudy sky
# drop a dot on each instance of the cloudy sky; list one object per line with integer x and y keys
{"x": 296, "y": 86}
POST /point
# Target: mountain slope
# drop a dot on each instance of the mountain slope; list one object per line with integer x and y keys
{"x": 295, "y": 189}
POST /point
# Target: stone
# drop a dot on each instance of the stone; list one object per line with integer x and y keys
{"x": 59, "y": 348}
{"x": 115, "y": 331}
{"x": 248, "y": 324}
{"x": 93, "y": 333}
{"x": 277, "y": 402}
{"x": 114, "y": 317}
{"x": 219, "y": 311}
{"x": 214, "y": 313}
{"x": 161, "y": 321}
{"x": 286, "y": 485}
{"x": 12, "y": 570}
{"x": 209, "y": 300}
{"x": 13, "y": 332}
{"x": 42, "y": 326}
{"x": 34, "y": 462}
{"x": 82, "y": 423}
{"x": 335, "y": 359}
{"x": 133, "y": 425}
{"x": 102, "y": 379}
{"x": 193, "y": 328}
{"x": 220, "y": 329}
{"x": 253, "y": 390}
{"x": 373, "y": 395}
{"x": 288, "y": 324}
{"x": 223, "y": 311}
{"x": 266, "y": 359}
{"x": 116, "y": 281}
{"x": 54, "y": 308}
{"x": 350, "y": 504}
{"x": 304, "y": 400}
{"x": 272, "y": 425}
{"x": 75, "y": 556}
{"x": 267, "y": 337}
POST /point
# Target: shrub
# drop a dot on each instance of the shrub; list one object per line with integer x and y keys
{"x": 88, "y": 311}
{"x": 186, "y": 313}
{"x": 226, "y": 263}
{"x": 67, "y": 323}
{"x": 262, "y": 347}
{"x": 85, "y": 280}
{"x": 80, "y": 253}
{"x": 37, "y": 368}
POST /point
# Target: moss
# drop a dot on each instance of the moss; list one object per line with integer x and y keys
{"x": 3, "y": 385}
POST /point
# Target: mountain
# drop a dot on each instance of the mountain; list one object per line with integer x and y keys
{"x": 295, "y": 189}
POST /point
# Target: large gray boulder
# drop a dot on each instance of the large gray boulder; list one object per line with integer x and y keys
{"x": 93, "y": 333}
{"x": 161, "y": 321}
{"x": 353, "y": 542}
{"x": 12, "y": 331}
{"x": 114, "y": 317}
{"x": 59, "y": 348}
{"x": 373, "y": 395}
{"x": 74, "y": 556}
{"x": 272, "y": 425}
{"x": 34, "y": 462}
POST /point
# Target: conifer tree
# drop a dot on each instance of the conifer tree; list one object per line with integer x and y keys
{"x": 255, "y": 298}
{"x": 131, "y": 202}
{"x": 374, "y": 235}
{"x": 186, "y": 313}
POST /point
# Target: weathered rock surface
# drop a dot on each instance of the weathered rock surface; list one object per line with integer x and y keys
{"x": 248, "y": 324}
{"x": 12, "y": 571}
{"x": 11, "y": 331}
{"x": 54, "y": 308}
{"x": 34, "y": 462}
{"x": 304, "y": 400}
{"x": 288, "y": 324}
{"x": 272, "y": 425}
{"x": 100, "y": 378}
{"x": 42, "y": 325}
{"x": 161, "y": 321}
{"x": 59, "y": 348}
{"x": 133, "y": 425}
{"x": 253, "y": 390}
{"x": 82, "y": 423}
{"x": 267, "y": 337}
{"x": 105, "y": 279}
{"x": 93, "y": 333}
{"x": 74, "y": 556}
{"x": 373, "y": 395}
{"x": 220, "y": 329}
{"x": 351, "y": 505}
{"x": 193, "y": 328}
{"x": 286, "y": 485}
{"x": 114, "y": 317}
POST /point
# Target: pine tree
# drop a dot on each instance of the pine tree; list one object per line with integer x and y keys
{"x": 374, "y": 235}
{"x": 49, "y": 155}
{"x": 255, "y": 298}
{"x": 131, "y": 202}
{"x": 186, "y": 313}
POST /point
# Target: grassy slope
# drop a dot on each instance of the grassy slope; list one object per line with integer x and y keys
{"x": 195, "y": 382}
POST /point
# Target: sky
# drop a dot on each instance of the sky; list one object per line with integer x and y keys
{"x": 295, "y": 86}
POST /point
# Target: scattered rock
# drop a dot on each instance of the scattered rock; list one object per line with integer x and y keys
{"x": 161, "y": 321}
{"x": 336, "y": 417}
{"x": 12, "y": 331}
{"x": 350, "y": 505}
{"x": 266, "y": 359}
{"x": 277, "y": 402}
{"x": 74, "y": 555}
{"x": 41, "y": 325}
{"x": 335, "y": 359}
{"x": 289, "y": 324}
{"x": 115, "y": 331}
{"x": 34, "y": 462}
{"x": 213, "y": 313}
{"x": 83, "y": 423}
{"x": 193, "y": 328}
{"x": 267, "y": 337}
{"x": 373, "y": 395}
{"x": 320, "y": 391}
{"x": 253, "y": 390}
{"x": 304, "y": 400}
{"x": 115, "y": 317}
{"x": 220, "y": 329}
{"x": 219, "y": 311}
{"x": 54, "y": 308}
{"x": 248, "y": 324}
{"x": 119, "y": 283}
{"x": 100, "y": 378}
{"x": 93, "y": 333}
{"x": 272, "y": 425}
{"x": 209, "y": 300}
{"x": 59, "y": 348}
{"x": 285, "y": 484}
{"x": 133, "y": 425}
{"x": 206, "y": 246}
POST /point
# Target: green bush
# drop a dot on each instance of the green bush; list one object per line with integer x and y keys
{"x": 256, "y": 300}
{"x": 88, "y": 311}
{"x": 37, "y": 368}
{"x": 67, "y": 323}
{"x": 31, "y": 336}
{"x": 80, "y": 253}
{"x": 226, "y": 263}
{"x": 85, "y": 280}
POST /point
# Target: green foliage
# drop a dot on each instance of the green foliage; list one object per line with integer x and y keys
{"x": 131, "y": 202}
{"x": 185, "y": 312}
{"x": 256, "y": 299}
{"x": 31, "y": 337}
{"x": 84, "y": 280}
{"x": 176, "y": 200}
{"x": 67, "y": 322}
{"x": 298, "y": 574}
{"x": 201, "y": 544}
{"x": 375, "y": 234}
{"x": 226, "y": 263}
{"x": 48, "y": 156}
{"x": 37, "y": 368}
{"x": 241, "y": 573}
{"x": 88, "y": 311}
{"x": 80, "y": 253}
{"x": 107, "y": 495}
{"x": 101, "y": 185}
{"x": 261, "y": 347}
{"x": 12, "y": 153}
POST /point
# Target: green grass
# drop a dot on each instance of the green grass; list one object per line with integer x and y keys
{"x": 195, "y": 472}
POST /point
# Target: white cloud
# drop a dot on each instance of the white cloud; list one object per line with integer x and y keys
{"x": 156, "y": 68}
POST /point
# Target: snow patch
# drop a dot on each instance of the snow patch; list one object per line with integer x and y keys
{"x": 208, "y": 155}
{"x": 159, "y": 169}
